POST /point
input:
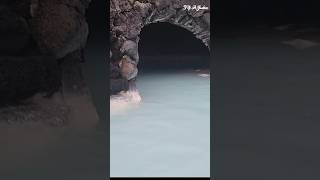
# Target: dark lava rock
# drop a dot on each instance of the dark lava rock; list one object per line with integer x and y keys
{"x": 59, "y": 27}
{"x": 118, "y": 85}
{"x": 128, "y": 17}
{"x": 72, "y": 76}
{"x": 22, "y": 77}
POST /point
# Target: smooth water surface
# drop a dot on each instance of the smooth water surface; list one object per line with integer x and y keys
{"x": 168, "y": 132}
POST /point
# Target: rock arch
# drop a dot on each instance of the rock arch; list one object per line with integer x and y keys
{"x": 128, "y": 17}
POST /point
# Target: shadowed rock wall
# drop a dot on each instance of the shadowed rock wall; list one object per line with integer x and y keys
{"x": 41, "y": 50}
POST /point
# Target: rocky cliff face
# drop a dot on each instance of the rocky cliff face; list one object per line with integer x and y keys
{"x": 41, "y": 49}
{"x": 128, "y": 17}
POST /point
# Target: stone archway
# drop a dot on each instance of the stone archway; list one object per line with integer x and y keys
{"x": 128, "y": 17}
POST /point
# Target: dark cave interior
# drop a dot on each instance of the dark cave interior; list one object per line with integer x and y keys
{"x": 164, "y": 46}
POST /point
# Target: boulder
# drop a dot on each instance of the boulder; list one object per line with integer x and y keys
{"x": 60, "y": 28}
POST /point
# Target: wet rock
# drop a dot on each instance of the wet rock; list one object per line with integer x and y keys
{"x": 114, "y": 71}
{"x": 72, "y": 76}
{"x": 130, "y": 48}
{"x": 60, "y": 28}
{"x": 206, "y": 18}
{"x": 128, "y": 68}
{"x": 118, "y": 85}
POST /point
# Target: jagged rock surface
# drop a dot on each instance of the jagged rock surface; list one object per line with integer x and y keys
{"x": 128, "y": 17}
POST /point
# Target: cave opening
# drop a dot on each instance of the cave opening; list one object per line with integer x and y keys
{"x": 164, "y": 46}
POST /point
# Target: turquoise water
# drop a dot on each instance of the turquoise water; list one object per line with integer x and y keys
{"x": 168, "y": 132}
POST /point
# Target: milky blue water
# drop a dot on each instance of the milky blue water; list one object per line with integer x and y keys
{"x": 168, "y": 133}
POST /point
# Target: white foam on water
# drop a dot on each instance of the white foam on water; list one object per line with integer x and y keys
{"x": 204, "y": 75}
{"x": 121, "y": 102}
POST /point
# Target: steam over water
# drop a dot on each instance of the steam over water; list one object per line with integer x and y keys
{"x": 168, "y": 132}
